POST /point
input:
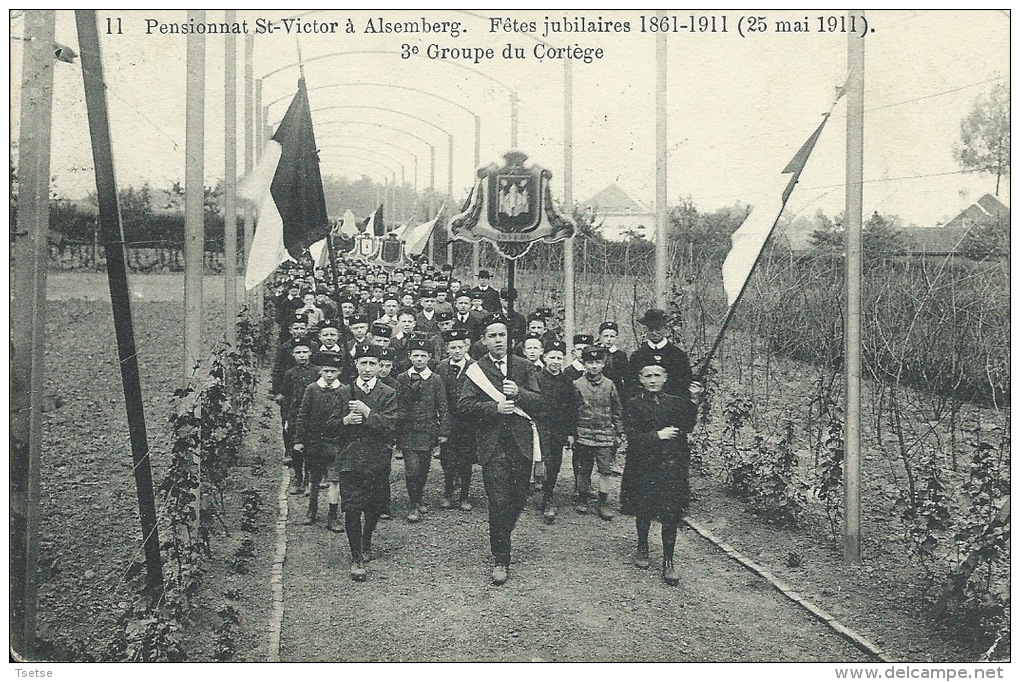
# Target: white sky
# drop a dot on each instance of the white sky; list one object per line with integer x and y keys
{"x": 739, "y": 107}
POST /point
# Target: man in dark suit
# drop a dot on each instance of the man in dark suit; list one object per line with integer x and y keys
{"x": 659, "y": 349}
{"x": 465, "y": 318}
{"x": 498, "y": 388}
{"x": 489, "y": 296}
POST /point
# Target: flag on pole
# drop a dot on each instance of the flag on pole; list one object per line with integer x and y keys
{"x": 318, "y": 251}
{"x": 287, "y": 186}
{"x": 374, "y": 223}
{"x": 416, "y": 238}
{"x": 750, "y": 237}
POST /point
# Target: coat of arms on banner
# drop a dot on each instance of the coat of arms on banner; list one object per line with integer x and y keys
{"x": 365, "y": 247}
{"x": 512, "y": 207}
{"x": 391, "y": 251}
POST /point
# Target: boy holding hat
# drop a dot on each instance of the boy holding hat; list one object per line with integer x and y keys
{"x": 656, "y": 481}
{"x": 500, "y": 394}
{"x": 424, "y": 424}
{"x": 369, "y": 419}
{"x": 599, "y": 430}
{"x": 457, "y": 454}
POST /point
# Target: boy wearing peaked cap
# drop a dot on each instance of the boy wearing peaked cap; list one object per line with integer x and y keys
{"x": 656, "y": 481}
{"x": 316, "y": 429}
{"x": 616, "y": 359}
{"x": 599, "y": 430}
{"x": 457, "y": 454}
{"x": 424, "y": 422}
{"x": 295, "y": 381}
{"x": 367, "y": 428}
{"x": 557, "y": 422}
{"x": 575, "y": 367}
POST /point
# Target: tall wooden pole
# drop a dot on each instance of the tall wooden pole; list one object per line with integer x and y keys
{"x": 568, "y": 200}
{"x": 120, "y": 297}
{"x": 230, "y": 184}
{"x": 660, "y": 166}
{"x": 853, "y": 222}
{"x": 260, "y": 145}
{"x": 29, "y": 323}
{"x": 194, "y": 197}
{"x": 249, "y": 139}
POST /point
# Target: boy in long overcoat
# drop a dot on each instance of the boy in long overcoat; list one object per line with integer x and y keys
{"x": 363, "y": 460}
{"x": 424, "y": 422}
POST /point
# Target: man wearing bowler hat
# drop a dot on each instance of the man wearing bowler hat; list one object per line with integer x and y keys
{"x": 489, "y": 296}
{"x": 500, "y": 394}
{"x": 658, "y": 349}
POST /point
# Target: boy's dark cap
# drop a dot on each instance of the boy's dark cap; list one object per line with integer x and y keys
{"x": 381, "y": 329}
{"x": 301, "y": 341}
{"x": 329, "y": 324}
{"x": 419, "y": 344}
{"x": 584, "y": 338}
{"x": 456, "y": 334}
{"x": 358, "y": 318}
{"x": 554, "y": 345}
{"x": 368, "y": 350}
{"x": 608, "y": 325}
{"x": 444, "y": 316}
{"x": 326, "y": 358}
{"x": 592, "y": 353}
{"x": 495, "y": 318}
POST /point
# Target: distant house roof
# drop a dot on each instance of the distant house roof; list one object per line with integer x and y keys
{"x": 983, "y": 210}
{"x": 613, "y": 201}
{"x": 943, "y": 239}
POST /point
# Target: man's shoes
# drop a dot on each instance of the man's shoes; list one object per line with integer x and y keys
{"x": 333, "y": 524}
{"x": 549, "y": 514}
{"x": 465, "y": 505}
{"x": 581, "y": 507}
{"x": 669, "y": 574}
{"x": 499, "y": 574}
{"x": 385, "y": 517}
{"x": 641, "y": 558}
{"x": 445, "y": 503}
{"x": 413, "y": 517}
{"x": 358, "y": 572}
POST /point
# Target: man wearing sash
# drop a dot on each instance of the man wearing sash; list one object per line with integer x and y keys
{"x": 499, "y": 394}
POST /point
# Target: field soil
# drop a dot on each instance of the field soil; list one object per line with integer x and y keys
{"x": 573, "y": 593}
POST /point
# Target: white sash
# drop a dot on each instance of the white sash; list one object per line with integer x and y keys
{"x": 477, "y": 376}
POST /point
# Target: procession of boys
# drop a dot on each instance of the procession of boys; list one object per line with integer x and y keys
{"x": 379, "y": 363}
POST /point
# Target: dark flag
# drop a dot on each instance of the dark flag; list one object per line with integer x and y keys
{"x": 287, "y": 184}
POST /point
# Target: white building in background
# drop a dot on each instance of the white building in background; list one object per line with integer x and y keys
{"x": 621, "y": 215}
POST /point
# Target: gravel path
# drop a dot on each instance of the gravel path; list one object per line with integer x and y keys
{"x": 573, "y": 595}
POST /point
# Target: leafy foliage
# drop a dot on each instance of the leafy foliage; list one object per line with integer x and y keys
{"x": 984, "y": 135}
{"x": 207, "y": 426}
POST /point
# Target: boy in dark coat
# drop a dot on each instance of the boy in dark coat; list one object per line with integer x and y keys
{"x": 616, "y": 359}
{"x": 424, "y": 422}
{"x": 364, "y": 456}
{"x": 457, "y": 455}
{"x": 316, "y": 429}
{"x": 556, "y": 424}
{"x": 656, "y": 475}
{"x": 295, "y": 381}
